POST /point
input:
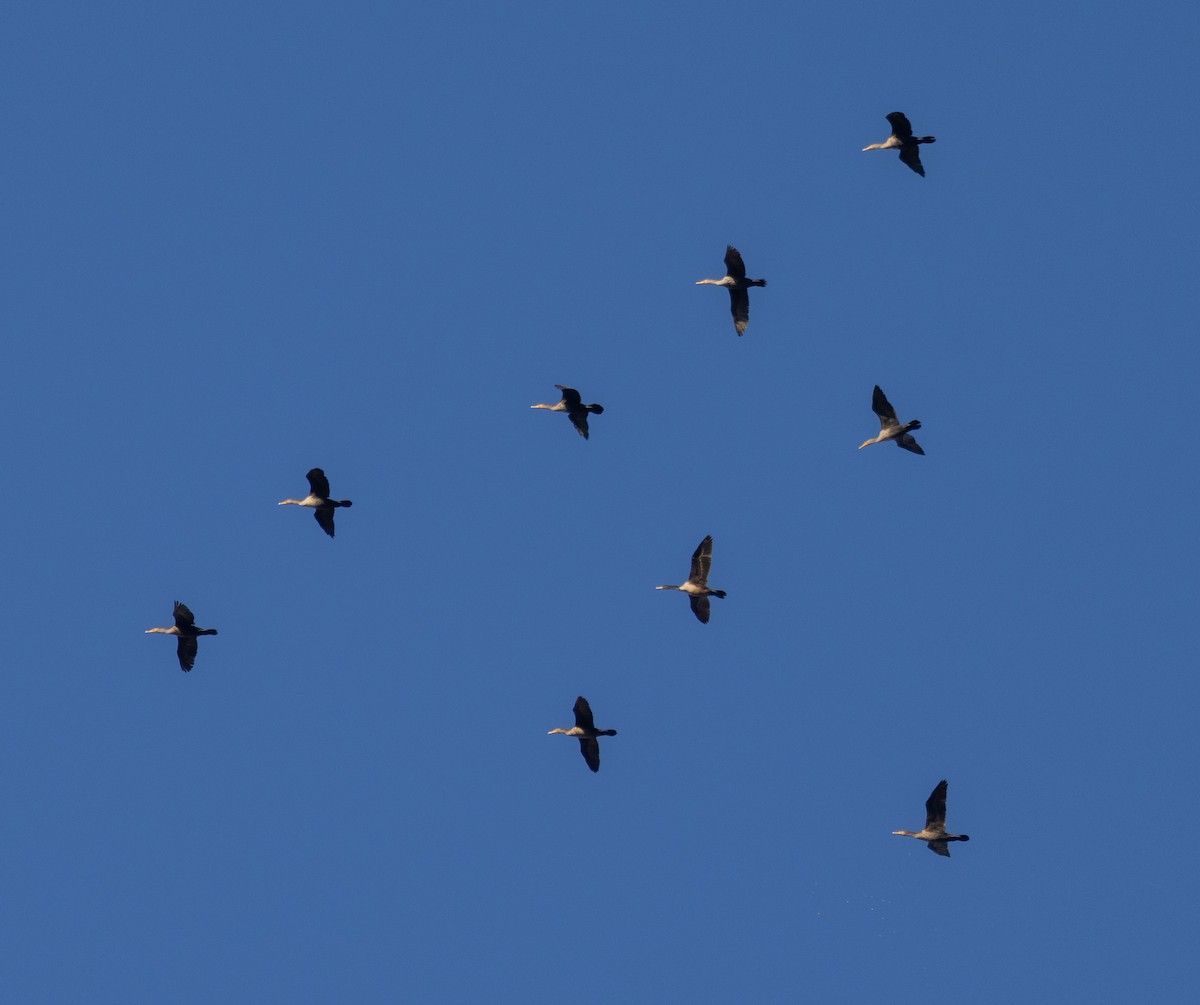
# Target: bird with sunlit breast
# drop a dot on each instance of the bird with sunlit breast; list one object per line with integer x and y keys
{"x": 934, "y": 832}
{"x": 585, "y": 730}
{"x": 572, "y": 403}
{"x": 736, "y": 282}
{"x": 902, "y": 139}
{"x": 318, "y": 500}
{"x": 696, "y": 585}
{"x": 890, "y": 428}
{"x": 186, "y": 631}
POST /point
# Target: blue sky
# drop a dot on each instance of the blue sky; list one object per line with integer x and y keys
{"x": 241, "y": 243}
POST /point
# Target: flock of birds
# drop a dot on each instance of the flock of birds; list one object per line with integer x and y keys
{"x": 696, "y": 586}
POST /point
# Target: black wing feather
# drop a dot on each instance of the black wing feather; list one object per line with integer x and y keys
{"x": 701, "y": 562}
{"x": 912, "y": 157}
{"x": 591, "y": 751}
{"x": 183, "y": 618}
{"x": 186, "y": 651}
{"x": 578, "y": 419}
{"x": 318, "y": 483}
{"x": 901, "y": 127}
{"x": 883, "y": 408}
{"x": 324, "y": 516}
{"x": 734, "y": 266}
{"x": 583, "y": 714}
{"x": 935, "y": 807}
{"x": 739, "y": 307}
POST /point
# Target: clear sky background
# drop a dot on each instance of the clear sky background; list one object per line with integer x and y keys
{"x": 244, "y": 240}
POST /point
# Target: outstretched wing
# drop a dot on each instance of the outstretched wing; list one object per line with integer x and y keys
{"x": 901, "y": 127}
{"x": 578, "y": 419}
{"x": 570, "y": 396}
{"x": 939, "y": 848}
{"x": 186, "y": 651}
{"x": 701, "y": 562}
{"x": 883, "y": 408}
{"x": 701, "y": 608}
{"x": 739, "y": 307}
{"x": 911, "y": 155}
{"x": 906, "y": 441}
{"x": 734, "y": 266}
{"x": 591, "y": 751}
{"x": 583, "y": 714}
{"x": 324, "y": 517}
{"x": 318, "y": 483}
{"x": 183, "y": 618}
{"x": 935, "y": 808}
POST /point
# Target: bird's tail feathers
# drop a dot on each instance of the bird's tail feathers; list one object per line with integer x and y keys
{"x": 345, "y": 502}
{"x": 926, "y": 139}
{"x": 756, "y": 282}
{"x": 718, "y": 593}
{"x": 912, "y": 424}
{"x": 596, "y": 409}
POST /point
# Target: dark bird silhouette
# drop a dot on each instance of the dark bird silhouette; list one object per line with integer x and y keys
{"x": 696, "y": 586}
{"x": 889, "y": 425}
{"x": 587, "y": 732}
{"x": 318, "y": 500}
{"x": 576, "y": 410}
{"x": 934, "y": 833}
{"x": 737, "y": 284}
{"x": 185, "y": 628}
{"x": 902, "y": 139}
